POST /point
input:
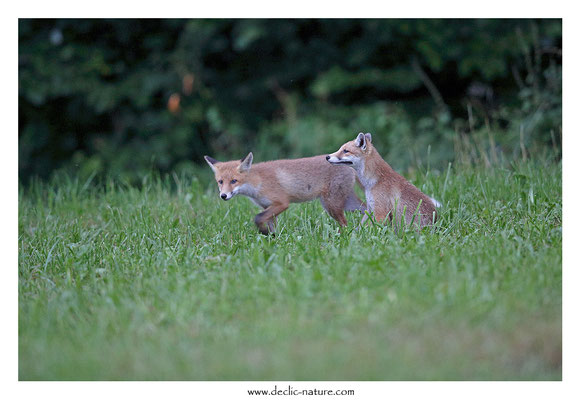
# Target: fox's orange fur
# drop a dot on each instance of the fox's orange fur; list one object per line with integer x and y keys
{"x": 387, "y": 193}
{"x": 273, "y": 185}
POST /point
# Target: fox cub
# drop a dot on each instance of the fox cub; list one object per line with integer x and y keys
{"x": 272, "y": 185}
{"x": 388, "y": 194}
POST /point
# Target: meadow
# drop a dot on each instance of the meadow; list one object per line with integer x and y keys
{"x": 164, "y": 281}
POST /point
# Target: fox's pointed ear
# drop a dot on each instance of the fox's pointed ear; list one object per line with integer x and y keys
{"x": 211, "y": 162}
{"x": 361, "y": 141}
{"x": 368, "y": 137}
{"x": 246, "y": 163}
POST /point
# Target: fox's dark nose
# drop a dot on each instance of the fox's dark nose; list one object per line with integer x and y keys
{"x": 223, "y": 196}
{"x": 327, "y": 158}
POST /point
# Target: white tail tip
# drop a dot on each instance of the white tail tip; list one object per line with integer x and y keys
{"x": 436, "y": 202}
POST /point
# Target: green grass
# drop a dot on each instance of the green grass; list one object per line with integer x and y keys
{"x": 167, "y": 281}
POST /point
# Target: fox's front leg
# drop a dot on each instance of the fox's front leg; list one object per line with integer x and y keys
{"x": 264, "y": 220}
{"x": 272, "y": 224}
{"x": 380, "y": 214}
{"x": 365, "y": 218}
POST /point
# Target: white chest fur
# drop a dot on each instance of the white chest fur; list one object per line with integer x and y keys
{"x": 254, "y": 194}
{"x": 368, "y": 184}
{"x": 370, "y": 200}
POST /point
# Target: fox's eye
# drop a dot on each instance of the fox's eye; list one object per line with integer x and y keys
{"x": 234, "y": 181}
{"x": 345, "y": 151}
{"x": 220, "y": 181}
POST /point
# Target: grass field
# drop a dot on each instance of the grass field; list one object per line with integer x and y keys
{"x": 167, "y": 281}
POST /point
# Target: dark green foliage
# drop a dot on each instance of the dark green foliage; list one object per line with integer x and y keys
{"x": 95, "y": 95}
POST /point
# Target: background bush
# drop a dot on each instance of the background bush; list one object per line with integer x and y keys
{"x": 122, "y": 97}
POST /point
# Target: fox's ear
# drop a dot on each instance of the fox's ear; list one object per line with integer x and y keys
{"x": 361, "y": 141}
{"x": 245, "y": 163}
{"x": 211, "y": 162}
{"x": 368, "y": 137}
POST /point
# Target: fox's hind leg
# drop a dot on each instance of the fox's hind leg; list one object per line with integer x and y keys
{"x": 338, "y": 215}
{"x": 340, "y": 196}
{"x": 353, "y": 203}
{"x": 335, "y": 209}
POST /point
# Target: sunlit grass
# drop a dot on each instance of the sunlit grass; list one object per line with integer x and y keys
{"x": 166, "y": 281}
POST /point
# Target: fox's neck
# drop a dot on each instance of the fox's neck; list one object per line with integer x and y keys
{"x": 251, "y": 189}
{"x": 251, "y": 185}
{"x": 372, "y": 169}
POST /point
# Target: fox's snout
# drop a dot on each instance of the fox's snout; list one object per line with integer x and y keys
{"x": 335, "y": 160}
{"x": 226, "y": 196}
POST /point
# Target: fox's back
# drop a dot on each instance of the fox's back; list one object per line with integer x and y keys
{"x": 303, "y": 179}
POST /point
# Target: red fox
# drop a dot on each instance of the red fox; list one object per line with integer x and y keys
{"x": 388, "y": 194}
{"x": 272, "y": 185}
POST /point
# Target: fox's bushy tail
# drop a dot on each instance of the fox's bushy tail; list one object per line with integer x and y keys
{"x": 436, "y": 202}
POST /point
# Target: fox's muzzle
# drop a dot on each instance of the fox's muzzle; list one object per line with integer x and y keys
{"x": 337, "y": 160}
{"x": 227, "y": 196}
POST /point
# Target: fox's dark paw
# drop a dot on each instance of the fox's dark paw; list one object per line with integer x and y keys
{"x": 264, "y": 231}
{"x": 266, "y": 228}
